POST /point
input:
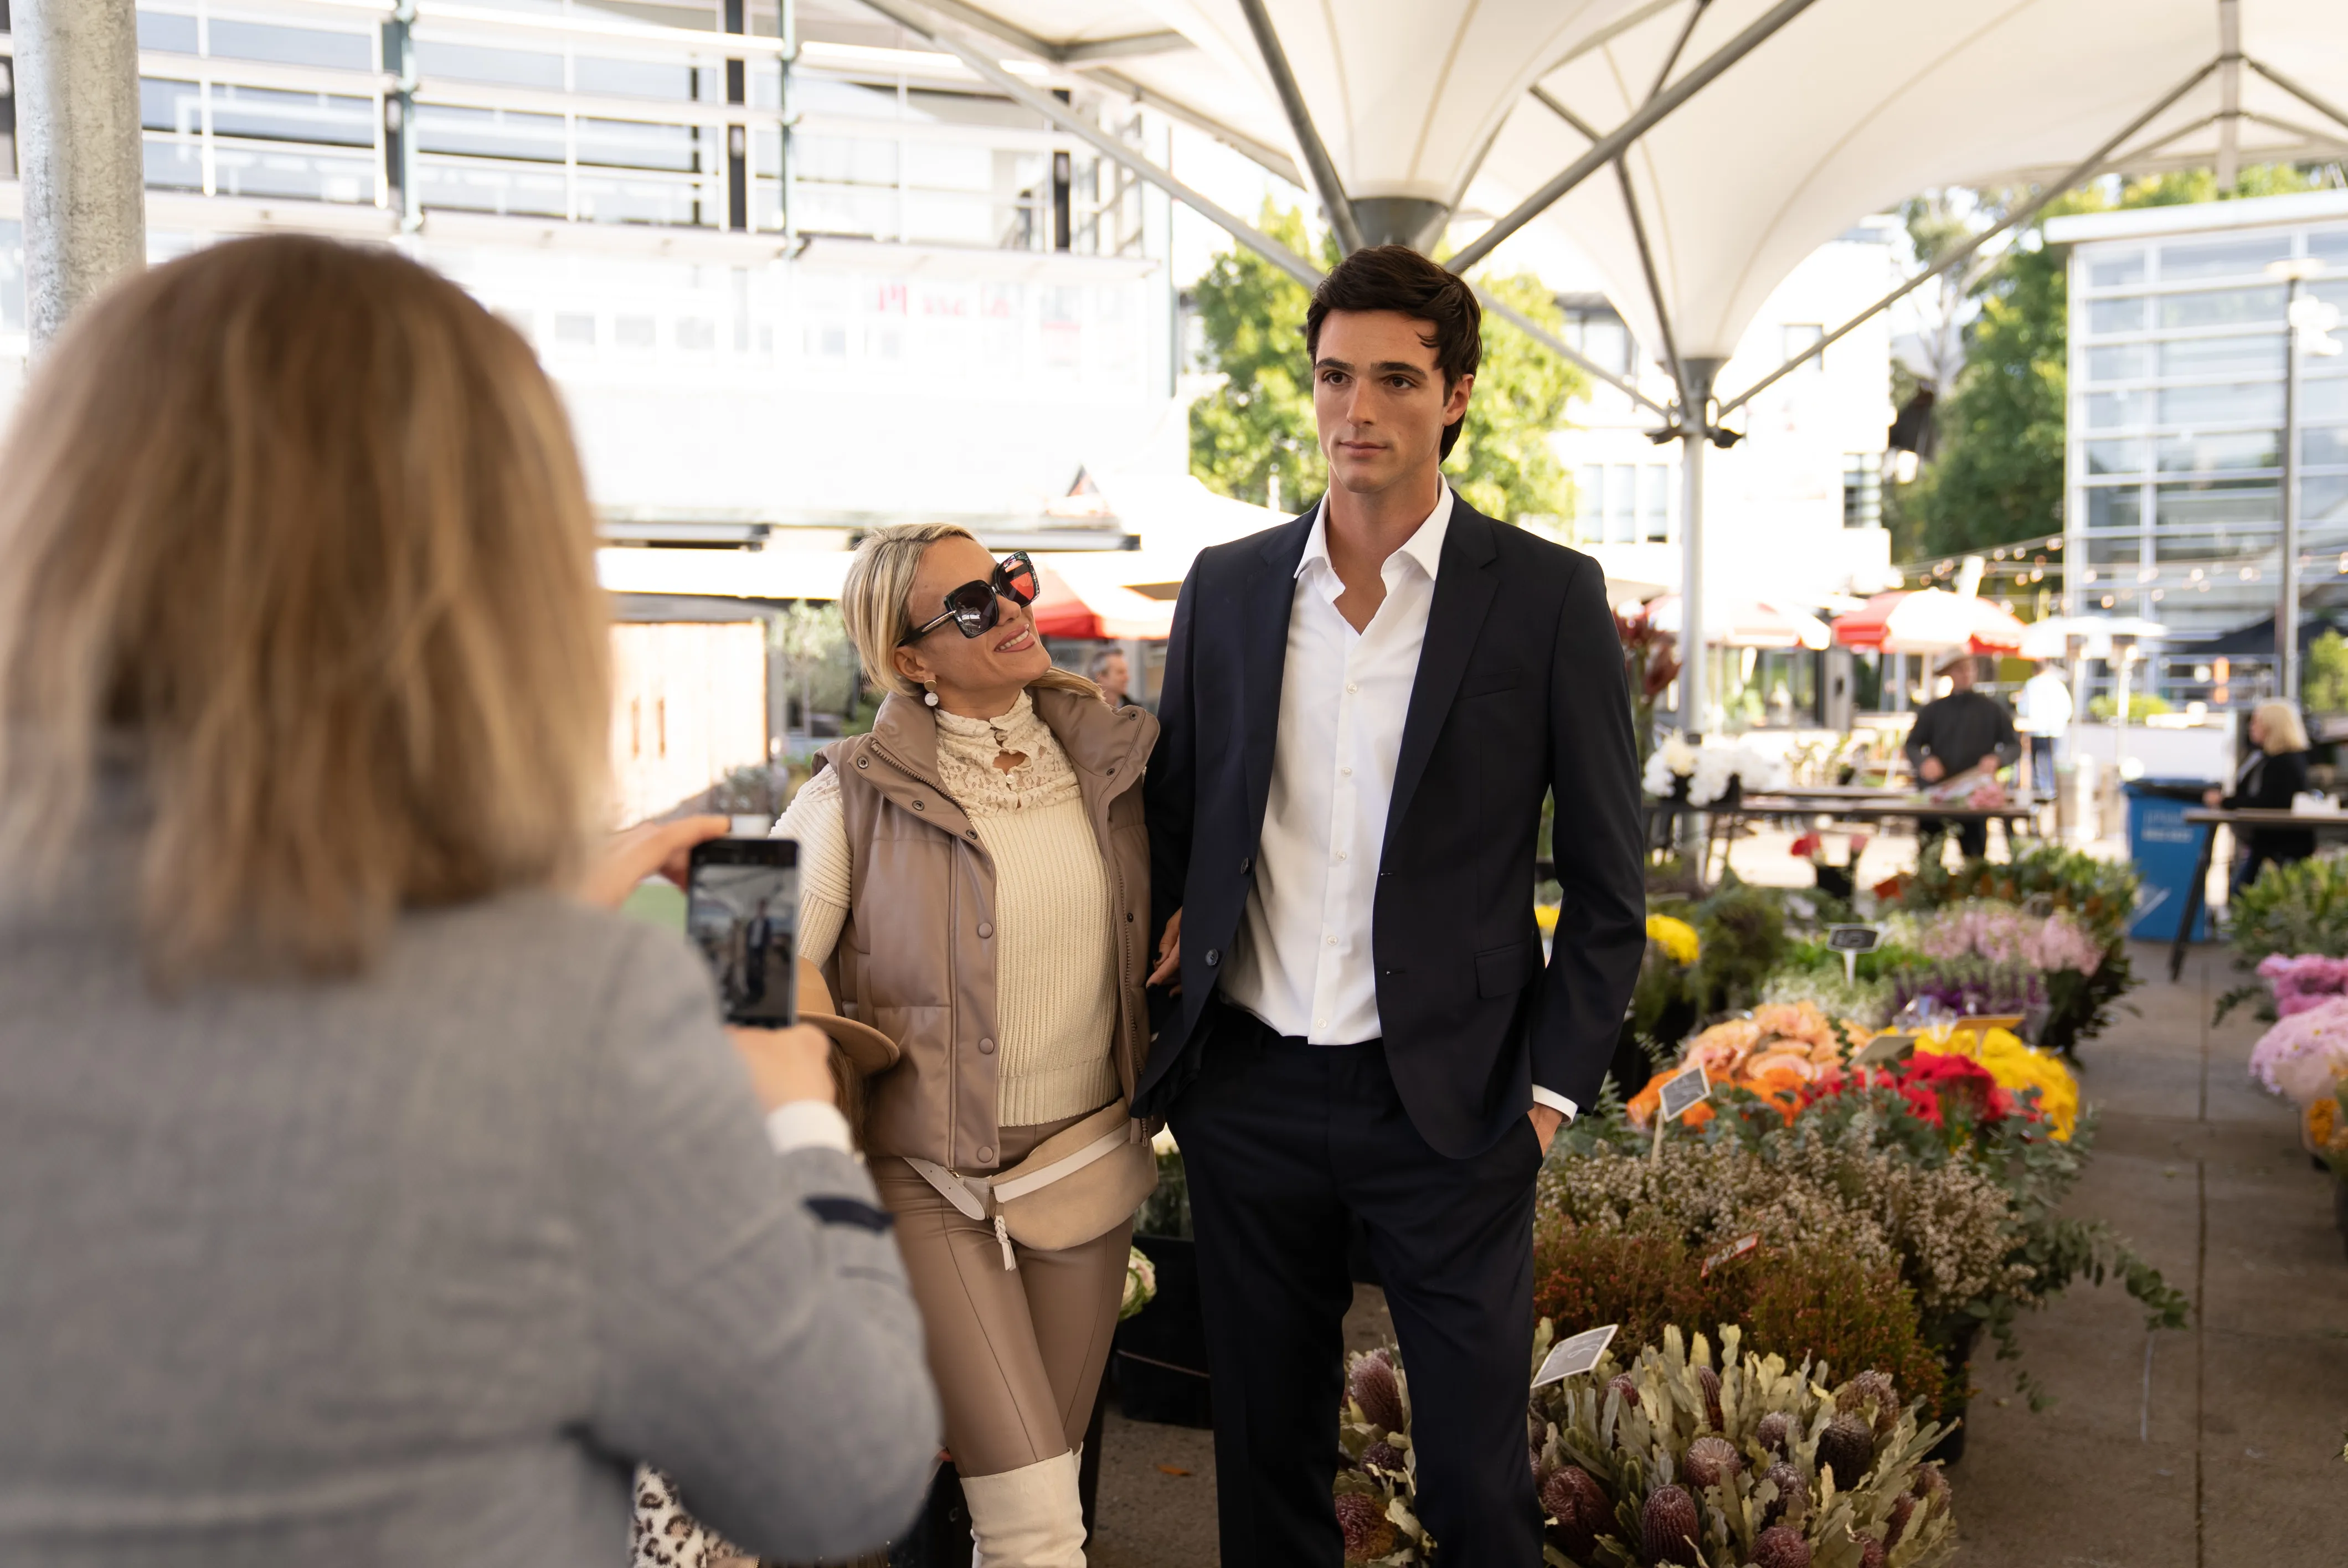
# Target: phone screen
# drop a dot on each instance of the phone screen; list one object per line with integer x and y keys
{"x": 742, "y": 909}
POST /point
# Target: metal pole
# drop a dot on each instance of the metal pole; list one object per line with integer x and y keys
{"x": 80, "y": 150}
{"x": 2287, "y": 599}
{"x": 1299, "y": 120}
{"x": 1494, "y": 305}
{"x": 1108, "y": 146}
{"x": 1694, "y": 433}
{"x": 2083, "y": 169}
{"x": 1639, "y": 122}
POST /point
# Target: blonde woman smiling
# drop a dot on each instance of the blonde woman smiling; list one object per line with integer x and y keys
{"x": 976, "y": 876}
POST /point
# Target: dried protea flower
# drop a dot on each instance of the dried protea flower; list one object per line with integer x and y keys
{"x": 1626, "y": 1385}
{"x": 1932, "y": 1487}
{"x": 1896, "y": 1526}
{"x": 1780, "y": 1546}
{"x": 1383, "y": 1457}
{"x": 1710, "y": 1461}
{"x": 1574, "y": 1501}
{"x": 1871, "y": 1552}
{"x": 1871, "y": 1387}
{"x": 1792, "y": 1503}
{"x": 1373, "y": 1387}
{"x": 1709, "y": 1381}
{"x": 1369, "y": 1533}
{"x": 1848, "y": 1446}
{"x": 1668, "y": 1528}
{"x": 1774, "y": 1430}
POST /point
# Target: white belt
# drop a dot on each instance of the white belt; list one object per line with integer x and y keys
{"x": 975, "y": 1195}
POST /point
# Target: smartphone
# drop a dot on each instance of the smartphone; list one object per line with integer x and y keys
{"x": 742, "y": 910}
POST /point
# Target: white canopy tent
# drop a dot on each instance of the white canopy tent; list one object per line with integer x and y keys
{"x": 1744, "y": 133}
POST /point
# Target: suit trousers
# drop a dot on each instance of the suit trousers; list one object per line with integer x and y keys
{"x": 1281, "y": 1140}
{"x": 1017, "y": 1353}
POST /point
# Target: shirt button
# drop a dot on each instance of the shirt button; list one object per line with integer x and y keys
{"x": 986, "y": 1048}
{"x": 986, "y": 1155}
{"x": 1350, "y": 687}
{"x": 1341, "y": 854}
{"x": 1346, "y": 772}
{"x": 1333, "y": 941}
{"x": 985, "y": 928}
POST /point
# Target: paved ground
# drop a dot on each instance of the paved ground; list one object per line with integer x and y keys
{"x": 2217, "y": 1447}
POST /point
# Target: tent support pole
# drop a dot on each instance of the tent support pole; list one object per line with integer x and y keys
{"x": 1108, "y": 146}
{"x": 84, "y": 198}
{"x": 2295, "y": 90}
{"x": 1694, "y": 435}
{"x": 1639, "y": 122}
{"x": 2230, "y": 92}
{"x": 2084, "y": 170}
{"x": 1692, "y": 411}
{"x": 1558, "y": 346}
{"x": 2287, "y": 599}
{"x": 1333, "y": 198}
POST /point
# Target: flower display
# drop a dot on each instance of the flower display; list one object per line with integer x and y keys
{"x": 2302, "y": 1054}
{"x": 1706, "y": 771}
{"x": 1676, "y": 937}
{"x": 2303, "y": 981}
{"x": 2005, "y": 933}
{"x": 1140, "y": 1283}
{"x": 2018, "y": 1069}
{"x": 1773, "y": 1053}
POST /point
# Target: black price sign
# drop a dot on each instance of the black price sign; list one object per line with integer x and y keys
{"x": 1854, "y": 938}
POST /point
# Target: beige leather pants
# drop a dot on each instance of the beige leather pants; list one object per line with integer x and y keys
{"x": 1017, "y": 1353}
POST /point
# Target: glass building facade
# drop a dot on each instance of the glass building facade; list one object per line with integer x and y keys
{"x": 2178, "y": 361}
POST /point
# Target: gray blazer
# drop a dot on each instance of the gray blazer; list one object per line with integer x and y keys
{"x": 412, "y": 1269}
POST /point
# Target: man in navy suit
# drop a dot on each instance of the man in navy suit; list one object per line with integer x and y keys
{"x": 1363, "y": 710}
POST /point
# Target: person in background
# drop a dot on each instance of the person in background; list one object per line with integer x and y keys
{"x": 975, "y": 877}
{"x": 2045, "y": 715}
{"x": 375, "y": 1195}
{"x": 1113, "y": 675}
{"x": 1954, "y": 736}
{"x": 2270, "y": 777}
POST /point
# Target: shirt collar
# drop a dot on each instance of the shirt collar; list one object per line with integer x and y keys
{"x": 1425, "y": 545}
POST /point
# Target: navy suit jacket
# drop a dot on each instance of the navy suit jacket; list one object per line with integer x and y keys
{"x": 1520, "y": 694}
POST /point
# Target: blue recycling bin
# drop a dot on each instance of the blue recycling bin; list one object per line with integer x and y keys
{"x": 2165, "y": 848}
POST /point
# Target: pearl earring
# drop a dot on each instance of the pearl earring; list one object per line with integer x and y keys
{"x": 930, "y": 696}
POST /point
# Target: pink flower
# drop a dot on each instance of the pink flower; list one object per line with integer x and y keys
{"x": 2301, "y": 1055}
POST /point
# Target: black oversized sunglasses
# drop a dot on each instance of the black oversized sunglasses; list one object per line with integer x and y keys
{"x": 977, "y": 606}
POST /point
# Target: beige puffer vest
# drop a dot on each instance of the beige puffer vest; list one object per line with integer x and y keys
{"x": 914, "y": 959}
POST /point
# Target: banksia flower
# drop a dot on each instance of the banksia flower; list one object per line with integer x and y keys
{"x": 1873, "y": 1387}
{"x": 1710, "y": 1461}
{"x": 1870, "y": 1554}
{"x": 1709, "y": 1380}
{"x": 1932, "y": 1487}
{"x": 1903, "y": 1507}
{"x": 1369, "y": 1533}
{"x": 1793, "y": 1501}
{"x": 1373, "y": 1386}
{"x": 1773, "y": 1431}
{"x": 1781, "y": 1546}
{"x": 1383, "y": 1457}
{"x": 1572, "y": 1497}
{"x": 1624, "y": 1385}
{"x": 1668, "y": 1528}
{"x": 1848, "y": 1446}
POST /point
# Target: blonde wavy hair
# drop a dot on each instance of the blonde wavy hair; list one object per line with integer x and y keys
{"x": 299, "y": 527}
{"x": 2284, "y": 732}
{"x": 872, "y": 601}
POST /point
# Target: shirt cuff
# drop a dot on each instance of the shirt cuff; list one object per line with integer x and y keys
{"x": 1555, "y": 1102}
{"x": 807, "y": 1125}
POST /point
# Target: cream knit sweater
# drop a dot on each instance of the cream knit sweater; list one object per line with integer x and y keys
{"x": 1055, "y": 974}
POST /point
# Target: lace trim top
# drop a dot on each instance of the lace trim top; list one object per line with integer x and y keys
{"x": 967, "y": 749}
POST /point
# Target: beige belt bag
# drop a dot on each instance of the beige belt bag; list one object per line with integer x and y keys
{"x": 1079, "y": 1184}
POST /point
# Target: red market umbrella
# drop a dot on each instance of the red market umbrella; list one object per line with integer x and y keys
{"x": 1082, "y": 603}
{"x": 1930, "y": 620}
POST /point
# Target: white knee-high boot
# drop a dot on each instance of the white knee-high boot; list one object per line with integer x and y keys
{"x": 1027, "y": 1518}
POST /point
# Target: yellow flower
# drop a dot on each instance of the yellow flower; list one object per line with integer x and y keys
{"x": 1677, "y": 937}
{"x": 2018, "y": 1067}
{"x": 1545, "y": 916}
{"x": 2322, "y": 1121}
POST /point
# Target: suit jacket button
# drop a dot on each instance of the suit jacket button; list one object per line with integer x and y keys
{"x": 985, "y": 928}
{"x": 1247, "y": 864}
{"x": 985, "y": 1048}
{"x": 1213, "y": 958}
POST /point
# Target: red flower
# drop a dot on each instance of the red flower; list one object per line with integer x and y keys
{"x": 1806, "y": 846}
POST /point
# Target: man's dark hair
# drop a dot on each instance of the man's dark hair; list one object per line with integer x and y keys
{"x": 1397, "y": 277}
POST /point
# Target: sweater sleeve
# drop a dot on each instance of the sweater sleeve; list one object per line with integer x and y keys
{"x": 755, "y": 1336}
{"x": 816, "y": 821}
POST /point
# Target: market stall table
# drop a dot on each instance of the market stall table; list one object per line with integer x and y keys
{"x": 2208, "y": 819}
{"x": 1849, "y": 803}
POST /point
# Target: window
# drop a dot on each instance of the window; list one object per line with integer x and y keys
{"x": 2105, "y": 317}
{"x": 1799, "y": 338}
{"x": 1589, "y": 504}
{"x": 2238, "y": 404}
{"x": 633, "y": 332}
{"x": 470, "y": 62}
{"x": 2115, "y": 270}
{"x": 2115, "y": 457}
{"x": 291, "y": 46}
{"x": 2217, "y": 501}
{"x": 2204, "y": 453}
{"x": 1621, "y": 505}
{"x": 2114, "y": 507}
{"x": 1657, "y": 486}
{"x": 2108, "y": 410}
{"x": 696, "y": 334}
{"x": 2222, "y": 308}
{"x": 1863, "y": 490}
{"x": 2259, "y": 355}
{"x": 2125, "y": 551}
{"x": 2326, "y": 445}
{"x": 2222, "y": 258}
{"x": 2123, "y": 362}
{"x": 574, "y": 330}
{"x": 2330, "y": 248}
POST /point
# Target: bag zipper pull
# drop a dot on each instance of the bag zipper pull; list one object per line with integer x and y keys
{"x": 1003, "y": 1235}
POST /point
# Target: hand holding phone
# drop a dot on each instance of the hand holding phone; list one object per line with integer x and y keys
{"x": 786, "y": 1064}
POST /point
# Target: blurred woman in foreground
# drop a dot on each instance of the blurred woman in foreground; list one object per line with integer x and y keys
{"x": 364, "y": 1198}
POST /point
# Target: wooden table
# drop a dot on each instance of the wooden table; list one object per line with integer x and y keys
{"x": 2207, "y": 819}
{"x": 1858, "y": 803}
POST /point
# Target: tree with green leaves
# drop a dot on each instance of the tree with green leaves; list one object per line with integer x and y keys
{"x": 1259, "y": 424}
{"x": 1998, "y": 475}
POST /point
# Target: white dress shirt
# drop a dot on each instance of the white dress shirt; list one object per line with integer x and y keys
{"x": 1302, "y": 960}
